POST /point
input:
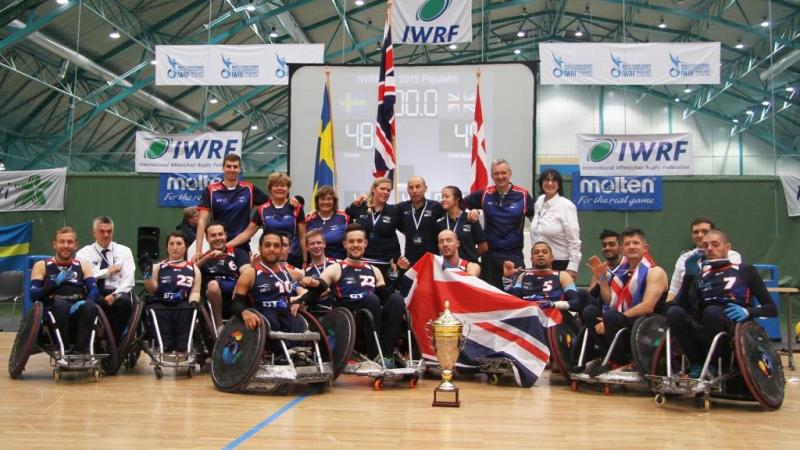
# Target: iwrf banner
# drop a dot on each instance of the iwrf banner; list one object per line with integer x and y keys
{"x": 638, "y": 64}
{"x": 791, "y": 190}
{"x": 635, "y": 154}
{"x": 33, "y": 190}
{"x": 15, "y": 244}
{"x": 185, "y": 153}
{"x": 232, "y": 65}
{"x": 432, "y": 22}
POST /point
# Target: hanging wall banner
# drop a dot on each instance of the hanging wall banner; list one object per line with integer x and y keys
{"x": 232, "y": 65}
{"x": 426, "y": 22}
{"x": 791, "y": 190}
{"x": 617, "y": 193}
{"x": 177, "y": 153}
{"x": 184, "y": 189}
{"x": 32, "y": 190}
{"x": 644, "y": 64}
{"x": 635, "y": 154}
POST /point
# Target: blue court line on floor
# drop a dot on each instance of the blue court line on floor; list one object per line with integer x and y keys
{"x": 261, "y": 425}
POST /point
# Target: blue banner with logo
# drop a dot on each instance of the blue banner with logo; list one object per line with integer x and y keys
{"x": 184, "y": 189}
{"x": 617, "y": 193}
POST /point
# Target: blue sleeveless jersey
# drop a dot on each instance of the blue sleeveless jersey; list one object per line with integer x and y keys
{"x": 723, "y": 283}
{"x": 356, "y": 282}
{"x": 537, "y": 285}
{"x": 272, "y": 290}
{"x": 461, "y": 266}
{"x": 226, "y": 268}
{"x": 282, "y": 219}
{"x": 73, "y": 285}
{"x": 175, "y": 281}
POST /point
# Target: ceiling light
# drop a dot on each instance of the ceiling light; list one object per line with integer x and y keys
{"x": 453, "y": 46}
{"x": 661, "y": 24}
{"x": 735, "y": 120}
{"x": 269, "y": 138}
{"x": 517, "y": 51}
{"x": 687, "y": 89}
{"x": 280, "y": 144}
{"x": 578, "y": 32}
{"x": 749, "y": 112}
{"x": 765, "y": 102}
{"x": 251, "y": 7}
{"x": 114, "y": 34}
{"x": 153, "y": 62}
{"x": 2, "y": 166}
{"x": 739, "y": 44}
{"x": 212, "y": 100}
{"x": 254, "y": 126}
{"x": 359, "y": 2}
{"x": 765, "y": 22}
{"x": 520, "y": 33}
{"x": 273, "y": 34}
{"x": 62, "y": 2}
{"x": 789, "y": 89}
{"x": 677, "y": 100}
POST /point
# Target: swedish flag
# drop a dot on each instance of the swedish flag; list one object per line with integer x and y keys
{"x": 15, "y": 245}
{"x": 325, "y": 173}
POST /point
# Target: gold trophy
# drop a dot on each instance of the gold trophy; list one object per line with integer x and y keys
{"x": 447, "y": 342}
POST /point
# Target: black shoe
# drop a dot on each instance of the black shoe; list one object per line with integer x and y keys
{"x": 598, "y": 369}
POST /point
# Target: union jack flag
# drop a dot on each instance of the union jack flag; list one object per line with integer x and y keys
{"x": 497, "y": 324}
{"x": 385, "y": 158}
{"x": 625, "y": 286}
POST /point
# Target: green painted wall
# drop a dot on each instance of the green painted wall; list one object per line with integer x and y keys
{"x": 751, "y": 209}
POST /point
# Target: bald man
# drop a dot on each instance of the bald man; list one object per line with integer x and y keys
{"x": 419, "y": 216}
{"x": 448, "y": 247}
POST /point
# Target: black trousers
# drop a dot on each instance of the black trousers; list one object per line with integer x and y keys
{"x": 388, "y": 317}
{"x": 613, "y": 321}
{"x": 492, "y": 268}
{"x": 174, "y": 323}
{"x": 696, "y": 336}
{"x": 75, "y": 328}
{"x": 118, "y": 313}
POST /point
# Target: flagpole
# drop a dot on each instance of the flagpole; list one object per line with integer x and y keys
{"x": 394, "y": 138}
{"x": 330, "y": 118}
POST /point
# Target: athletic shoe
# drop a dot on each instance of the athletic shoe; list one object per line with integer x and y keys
{"x": 388, "y": 363}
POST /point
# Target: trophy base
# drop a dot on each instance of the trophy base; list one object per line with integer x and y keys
{"x": 446, "y": 398}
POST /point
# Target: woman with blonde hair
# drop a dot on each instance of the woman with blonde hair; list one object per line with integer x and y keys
{"x": 381, "y": 222}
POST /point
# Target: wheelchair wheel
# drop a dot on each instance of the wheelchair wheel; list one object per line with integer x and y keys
{"x": 104, "y": 343}
{"x": 237, "y": 354}
{"x": 647, "y": 335}
{"x": 26, "y": 340}
{"x": 324, "y": 346}
{"x": 207, "y": 329}
{"x": 125, "y": 347}
{"x": 759, "y": 364}
{"x": 561, "y": 338}
{"x": 365, "y": 327}
{"x": 340, "y": 327}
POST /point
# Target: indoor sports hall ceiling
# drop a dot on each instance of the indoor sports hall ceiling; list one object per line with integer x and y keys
{"x": 73, "y": 94}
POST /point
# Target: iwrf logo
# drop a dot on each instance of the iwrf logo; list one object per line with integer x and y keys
{"x": 432, "y": 11}
{"x": 601, "y": 150}
{"x": 189, "y": 149}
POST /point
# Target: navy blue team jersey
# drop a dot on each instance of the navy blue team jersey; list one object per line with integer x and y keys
{"x": 469, "y": 234}
{"x": 381, "y": 229}
{"x": 538, "y": 285}
{"x": 461, "y": 266}
{"x": 226, "y": 268}
{"x": 232, "y": 206}
{"x": 505, "y": 218}
{"x": 315, "y": 271}
{"x": 723, "y": 283}
{"x": 356, "y": 282}
{"x": 282, "y": 219}
{"x": 419, "y": 228}
{"x": 72, "y": 285}
{"x": 175, "y": 281}
{"x": 272, "y": 290}
{"x": 332, "y": 230}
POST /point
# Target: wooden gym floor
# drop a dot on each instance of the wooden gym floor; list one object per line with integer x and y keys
{"x": 135, "y": 410}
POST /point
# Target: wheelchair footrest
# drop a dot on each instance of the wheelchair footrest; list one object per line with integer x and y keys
{"x": 304, "y": 336}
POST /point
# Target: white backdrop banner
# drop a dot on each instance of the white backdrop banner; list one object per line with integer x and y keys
{"x": 791, "y": 190}
{"x": 425, "y": 22}
{"x": 191, "y": 153}
{"x": 647, "y": 64}
{"x": 635, "y": 154}
{"x": 232, "y": 65}
{"x": 32, "y": 190}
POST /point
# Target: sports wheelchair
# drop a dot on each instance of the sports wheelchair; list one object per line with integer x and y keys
{"x": 38, "y": 333}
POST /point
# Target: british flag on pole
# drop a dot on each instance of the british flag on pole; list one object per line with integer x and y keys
{"x": 497, "y": 324}
{"x": 385, "y": 158}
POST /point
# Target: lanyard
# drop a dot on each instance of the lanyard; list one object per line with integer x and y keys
{"x": 324, "y": 266}
{"x": 447, "y": 219}
{"x": 102, "y": 256}
{"x": 283, "y": 271}
{"x": 414, "y": 218}
{"x": 375, "y": 220}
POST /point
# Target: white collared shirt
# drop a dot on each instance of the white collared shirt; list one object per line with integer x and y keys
{"x": 680, "y": 268}
{"x": 556, "y": 222}
{"x": 122, "y": 281}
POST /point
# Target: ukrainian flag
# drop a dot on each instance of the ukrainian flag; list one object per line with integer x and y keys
{"x": 15, "y": 245}
{"x": 325, "y": 173}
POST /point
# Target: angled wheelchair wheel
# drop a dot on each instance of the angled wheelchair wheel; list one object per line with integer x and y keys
{"x": 324, "y": 345}
{"x": 125, "y": 347}
{"x": 237, "y": 354}
{"x": 759, "y": 364}
{"x": 647, "y": 335}
{"x": 207, "y": 325}
{"x": 26, "y": 340}
{"x": 365, "y": 327}
{"x": 104, "y": 343}
{"x": 561, "y": 338}
{"x": 340, "y": 326}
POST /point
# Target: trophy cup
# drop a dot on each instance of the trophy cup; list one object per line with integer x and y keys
{"x": 447, "y": 343}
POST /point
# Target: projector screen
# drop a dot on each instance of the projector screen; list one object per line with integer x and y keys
{"x": 434, "y": 113}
